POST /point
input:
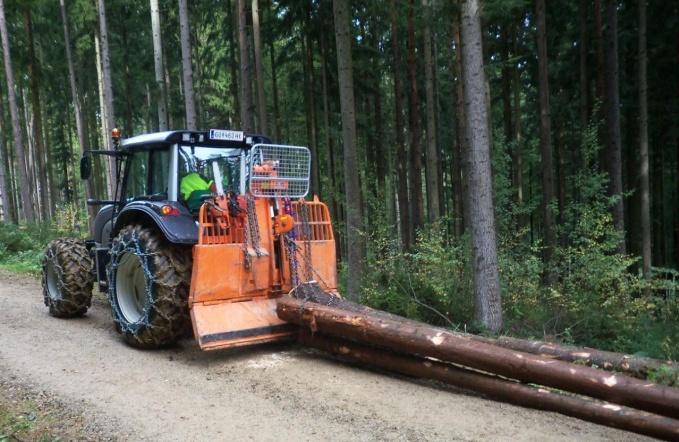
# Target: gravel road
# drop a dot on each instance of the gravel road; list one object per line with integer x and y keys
{"x": 274, "y": 392}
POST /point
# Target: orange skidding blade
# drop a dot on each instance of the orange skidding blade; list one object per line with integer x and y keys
{"x": 234, "y": 286}
{"x": 233, "y": 324}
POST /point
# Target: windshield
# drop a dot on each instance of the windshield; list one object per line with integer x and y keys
{"x": 209, "y": 162}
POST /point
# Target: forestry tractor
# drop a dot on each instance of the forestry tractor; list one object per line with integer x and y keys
{"x": 170, "y": 254}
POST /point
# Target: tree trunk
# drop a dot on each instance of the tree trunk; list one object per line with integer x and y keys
{"x": 488, "y": 305}
{"x": 77, "y": 109}
{"x": 355, "y": 242}
{"x": 414, "y": 338}
{"x": 4, "y": 179}
{"x": 30, "y": 158}
{"x": 381, "y": 163}
{"x": 128, "y": 127}
{"x": 584, "y": 80}
{"x": 506, "y": 80}
{"x": 160, "y": 92}
{"x": 545, "y": 144}
{"x": 461, "y": 141}
{"x": 246, "y": 103}
{"x": 599, "y": 32}
{"x": 168, "y": 95}
{"x": 643, "y": 146}
{"x": 262, "y": 123}
{"x": 10, "y": 170}
{"x": 517, "y": 151}
{"x": 658, "y": 207}
{"x": 233, "y": 61}
{"x": 107, "y": 89}
{"x": 401, "y": 154}
{"x": 187, "y": 69}
{"x": 310, "y": 102}
{"x": 416, "y": 202}
{"x": 43, "y": 192}
{"x": 560, "y": 152}
{"x": 497, "y": 388}
{"x": 105, "y": 129}
{"x": 612, "y": 105}
{"x": 433, "y": 199}
{"x": 634, "y": 365}
{"x": 328, "y": 139}
{"x": 274, "y": 91}
{"x": 24, "y": 183}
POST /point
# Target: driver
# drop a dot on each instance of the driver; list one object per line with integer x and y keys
{"x": 193, "y": 187}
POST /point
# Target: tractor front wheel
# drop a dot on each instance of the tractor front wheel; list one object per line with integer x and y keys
{"x": 148, "y": 280}
{"x": 67, "y": 277}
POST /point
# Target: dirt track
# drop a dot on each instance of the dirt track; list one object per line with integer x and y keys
{"x": 269, "y": 393}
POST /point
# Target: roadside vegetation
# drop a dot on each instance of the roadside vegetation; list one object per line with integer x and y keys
{"x": 22, "y": 245}
{"x": 600, "y": 298}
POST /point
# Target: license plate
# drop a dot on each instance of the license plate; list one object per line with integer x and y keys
{"x": 226, "y": 135}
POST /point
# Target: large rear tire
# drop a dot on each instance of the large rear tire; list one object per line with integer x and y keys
{"x": 148, "y": 280}
{"x": 67, "y": 278}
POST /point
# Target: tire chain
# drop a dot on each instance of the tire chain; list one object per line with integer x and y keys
{"x": 167, "y": 269}
{"x": 74, "y": 270}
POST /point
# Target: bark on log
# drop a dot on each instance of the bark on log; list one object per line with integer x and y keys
{"x": 416, "y": 338}
{"x": 636, "y": 366}
{"x": 607, "y": 360}
{"x": 504, "y": 390}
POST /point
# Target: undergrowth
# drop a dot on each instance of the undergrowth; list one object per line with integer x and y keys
{"x": 22, "y": 245}
{"x": 599, "y": 298}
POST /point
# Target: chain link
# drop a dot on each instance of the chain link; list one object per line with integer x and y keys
{"x": 291, "y": 251}
{"x": 251, "y": 235}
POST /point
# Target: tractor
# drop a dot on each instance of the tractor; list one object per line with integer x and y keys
{"x": 172, "y": 259}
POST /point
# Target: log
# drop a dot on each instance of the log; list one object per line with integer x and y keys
{"x": 638, "y": 367}
{"x": 500, "y": 389}
{"x": 415, "y": 338}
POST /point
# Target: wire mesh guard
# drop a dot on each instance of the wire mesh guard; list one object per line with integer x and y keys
{"x": 278, "y": 171}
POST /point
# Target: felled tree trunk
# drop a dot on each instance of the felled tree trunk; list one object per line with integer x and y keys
{"x": 500, "y": 389}
{"x": 411, "y": 337}
{"x": 636, "y": 366}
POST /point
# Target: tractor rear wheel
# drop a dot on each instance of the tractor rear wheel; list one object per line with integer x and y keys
{"x": 148, "y": 281}
{"x": 67, "y": 277}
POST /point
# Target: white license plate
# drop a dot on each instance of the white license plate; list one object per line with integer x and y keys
{"x": 226, "y": 135}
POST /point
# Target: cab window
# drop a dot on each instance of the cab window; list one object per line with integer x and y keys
{"x": 202, "y": 160}
{"x": 147, "y": 175}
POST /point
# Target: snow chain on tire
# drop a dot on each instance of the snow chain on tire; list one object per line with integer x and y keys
{"x": 67, "y": 277}
{"x": 164, "y": 317}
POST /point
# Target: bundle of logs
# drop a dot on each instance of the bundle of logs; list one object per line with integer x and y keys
{"x": 530, "y": 374}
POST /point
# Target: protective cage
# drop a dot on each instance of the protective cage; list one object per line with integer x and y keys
{"x": 278, "y": 171}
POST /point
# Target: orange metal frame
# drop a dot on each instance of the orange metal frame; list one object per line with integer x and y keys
{"x": 232, "y": 304}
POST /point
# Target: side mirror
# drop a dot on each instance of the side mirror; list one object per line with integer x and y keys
{"x": 85, "y": 167}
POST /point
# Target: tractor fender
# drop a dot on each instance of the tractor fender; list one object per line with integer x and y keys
{"x": 178, "y": 228}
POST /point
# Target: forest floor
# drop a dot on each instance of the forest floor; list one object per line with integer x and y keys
{"x": 75, "y": 379}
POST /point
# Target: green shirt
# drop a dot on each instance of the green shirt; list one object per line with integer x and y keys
{"x": 192, "y": 182}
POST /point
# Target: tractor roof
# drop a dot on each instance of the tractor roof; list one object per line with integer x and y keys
{"x": 210, "y": 138}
